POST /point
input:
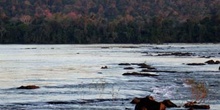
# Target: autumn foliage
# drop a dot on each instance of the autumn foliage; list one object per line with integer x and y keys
{"x": 109, "y": 21}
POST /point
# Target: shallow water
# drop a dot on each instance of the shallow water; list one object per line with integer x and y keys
{"x": 70, "y": 76}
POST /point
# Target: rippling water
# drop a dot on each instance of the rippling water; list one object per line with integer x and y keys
{"x": 70, "y": 76}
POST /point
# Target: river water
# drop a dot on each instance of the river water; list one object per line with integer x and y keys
{"x": 70, "y": 76}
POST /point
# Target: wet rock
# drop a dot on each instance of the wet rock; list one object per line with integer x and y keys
{"x": 147, "y": 103}
{"x": 128, "y": 68}
{"x": 212, "y": 62}
{"x": 129, "y": 47}
{"x": 105, "y": 47}
{"x": 139, "y": 74}
{"x": 219, "y": 68}
{"x": 158, "y": 48}
{"x": 206, "y": 56}
{"x": 169, "y": 104}
{"x": 194, "y": 105}
{"x": 104, "y": 67}
{"x": 124, "y": 64}
{"x": 176, "y": 54}
{"x": 29, "y": 87}
{"x": 143, "y": 65}
{"x": 195, "y": 64}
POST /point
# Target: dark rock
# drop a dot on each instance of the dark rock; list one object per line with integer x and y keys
{"x": 195, "y": 64}
{"x": 212, "y": 62}
{"x": 169, "y": 104}
{"x": 146, "y": 70}
{"x": 128, "y": 68}
{"x": 139, "y": 74}
{"x": 194, "y": 105}
{"x": 29, "y": 87}
{"x": 147, "y": 103}
{"x": 143, "y": 65}
{"x": 124, "y": 64}
{"x": 205, "y": 56}
{"x": 129, "y": 47}
{"x": 105, "y": 47}
{"x": 104, "y": 67}
{"x": 219, "y": 68}
{"x": 176, "y": 54}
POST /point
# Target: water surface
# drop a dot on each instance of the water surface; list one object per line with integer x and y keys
{"x": 70, "y": 76}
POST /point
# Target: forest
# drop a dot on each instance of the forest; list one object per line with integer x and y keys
{"x": 109, "y": 21}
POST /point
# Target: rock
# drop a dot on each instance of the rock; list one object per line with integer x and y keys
{"x": 105, "y": 47}
{"x": 206, "y": 56}
{"x": 194, "y": 105}
{"x": 176, "y": 54}
{"x": 104, "y": 67}
{"x": 212, "y": 62}
{"x": 147, "y": 103}
{"x": 29, "y": 87}
{"x": 128, "y": 68}
{"x": 143, "y": 65}
{"x": 124, "y": 64}
{"x": 139, "y": 74}
{"x": 169, "y": 104}
{"x": 195, "y": 64}
{"x": 219, "y": 68}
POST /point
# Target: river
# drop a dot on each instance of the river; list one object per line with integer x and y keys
{"x": 70, "y": 76}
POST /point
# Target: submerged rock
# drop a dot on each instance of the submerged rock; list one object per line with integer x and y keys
{"x": 195, "y": 64}
{"x": 124, "y": 64}
{"x": 176, "y": 54}
{"x": 143, "y": 65}
{"x": 29, "y": 87}
{"x": 139, "y": 74}
{"x": 194, "y": 105}
{"x": 128, "y": 68}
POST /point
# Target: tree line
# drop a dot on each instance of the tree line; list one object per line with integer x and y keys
{"x": 109, "y": 21}
{"x": 91, "y": 29}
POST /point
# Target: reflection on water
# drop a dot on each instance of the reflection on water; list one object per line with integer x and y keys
{"x": 70, "y": 76}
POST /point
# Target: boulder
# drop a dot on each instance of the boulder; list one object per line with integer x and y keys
{"x": 212, "y": 62}
{"x": 147, "y": 103}
{"x": 104, "y": 67}
{"x": 29, "y": 87}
